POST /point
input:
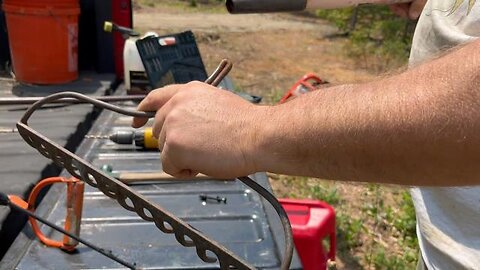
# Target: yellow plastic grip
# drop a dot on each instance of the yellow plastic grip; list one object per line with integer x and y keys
{"x": 107, "y": 26}
{"x": 149, "y": 141}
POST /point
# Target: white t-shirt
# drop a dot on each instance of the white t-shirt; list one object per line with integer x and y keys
{"x": 448, "y": 219}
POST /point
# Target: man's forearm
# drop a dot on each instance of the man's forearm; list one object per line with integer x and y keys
{"x": 421, "y": 127}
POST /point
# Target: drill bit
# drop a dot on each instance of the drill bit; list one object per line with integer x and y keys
{"x": 8, "y": 130}
{"x": 122, "y": 137}
{"x": 102, "y": 137}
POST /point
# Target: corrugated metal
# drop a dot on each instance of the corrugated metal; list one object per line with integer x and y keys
{"x": 245, "y": 224}
{"x": 20, "y": 165}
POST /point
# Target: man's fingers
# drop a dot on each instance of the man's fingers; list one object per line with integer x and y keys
{"x": 139, "y": 122}
{"x": 400, "y": 9}
{"x": 161, "y": 139}
{"x": 170, "y": 168}
{"x": 154, "y": 101}
{"x": 411, "y": 10}
{"x": 416, "y": 8}
{"x": 160, "y": 119}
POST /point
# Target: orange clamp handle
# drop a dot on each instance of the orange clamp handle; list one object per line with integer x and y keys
{"x": 75, "y": 189}
{"x": 307, "y": 81}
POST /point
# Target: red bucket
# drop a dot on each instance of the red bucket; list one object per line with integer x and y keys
{"x": 43, "y": 38}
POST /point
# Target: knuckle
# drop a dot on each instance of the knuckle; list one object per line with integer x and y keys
{"x": 175, "y": 99}
{"x": 173, "y": 116}
{"x": 194, "y": 84}
{"x": 166, "y": 167}
{"x": 146, "y": 102}
{"x": 156, "y": 130}
{"x": 172, "y": 138}
{"x": 180, "y": 96}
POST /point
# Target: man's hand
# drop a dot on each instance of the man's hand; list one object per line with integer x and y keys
{"x": 202, "y": 129}
{"x": 411, "y": 10}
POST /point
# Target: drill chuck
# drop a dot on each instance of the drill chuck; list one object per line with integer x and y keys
{"x": 141, "y": 138}
{"x": 122, "y": 137}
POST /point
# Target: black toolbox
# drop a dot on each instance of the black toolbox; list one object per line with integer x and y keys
{"x": 180, "y": 62}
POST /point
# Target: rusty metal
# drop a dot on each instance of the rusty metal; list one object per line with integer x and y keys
{"x": 75, "y": 189}
{"x": 31, "y": 100}
{"x": 16, "y": 203}
{"x": 74, "y": 212}
{"x": 131, "y": 200}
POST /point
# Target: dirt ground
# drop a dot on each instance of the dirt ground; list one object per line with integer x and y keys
{"x": 271, "y": 52}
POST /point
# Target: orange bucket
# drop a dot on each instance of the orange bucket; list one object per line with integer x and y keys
{"x": 43, "y": 40}
{"x": 42, "y": 3}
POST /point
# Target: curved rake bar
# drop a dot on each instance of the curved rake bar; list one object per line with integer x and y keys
{"x": 129, "y": 199}
{"x": 126, "y": 196}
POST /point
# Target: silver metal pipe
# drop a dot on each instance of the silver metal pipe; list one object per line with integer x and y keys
{"x": 266, "y": 6}
{"x": 31, "y": 100}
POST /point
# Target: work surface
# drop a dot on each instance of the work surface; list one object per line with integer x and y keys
{"x": 245, "y": 224}
{"x": 20, "y": 165}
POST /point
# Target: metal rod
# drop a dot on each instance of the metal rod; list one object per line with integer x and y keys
{"x": 4, "y": 200}
{"x": 8, "y": 130}
{"x": 214, "y": 79}
{"x": 31, "y": 100}
{"x": 287, "y": 227}
{"x": 264, "y": 6}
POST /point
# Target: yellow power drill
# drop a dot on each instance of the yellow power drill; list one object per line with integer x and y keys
{"x": 142, "y": 138}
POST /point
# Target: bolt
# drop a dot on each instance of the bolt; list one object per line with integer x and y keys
{"x": 219, "y": 199}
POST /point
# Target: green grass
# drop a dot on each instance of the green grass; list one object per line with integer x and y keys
{"x": 400, "y": 221}
{"x": 349, "y": 230}
{"x": 383, "y": 259}
{"x": 379, "y": 39}
{"x": 326, "y": 194}
{"x": 358, "y": 231}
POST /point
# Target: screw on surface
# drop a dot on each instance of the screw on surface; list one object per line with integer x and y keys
{"x": 218, "y": 199}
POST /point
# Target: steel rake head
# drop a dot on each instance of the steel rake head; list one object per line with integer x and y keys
{"x": 131, "y": 200}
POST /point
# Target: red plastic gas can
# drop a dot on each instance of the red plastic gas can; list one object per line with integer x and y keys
{"x": 312, "y": 222}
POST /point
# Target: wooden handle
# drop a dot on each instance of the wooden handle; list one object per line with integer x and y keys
{"x": 128, "y": 178}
